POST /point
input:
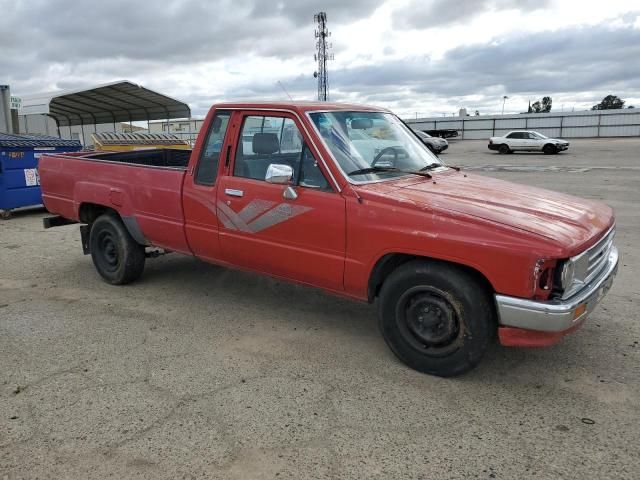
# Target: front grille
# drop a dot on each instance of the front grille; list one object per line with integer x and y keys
{"x": 598, "y": 256}
{"x": 590, "y": 263}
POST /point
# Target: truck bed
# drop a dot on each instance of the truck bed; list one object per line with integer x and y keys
{"x": 141, "y": 185}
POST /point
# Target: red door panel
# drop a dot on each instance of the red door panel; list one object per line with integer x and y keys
{"x": 301, "y": 239}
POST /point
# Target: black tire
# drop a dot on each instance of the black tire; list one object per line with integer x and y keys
{"x": 549, "y": 149}
{"x": 431, "y": 149}
{"x": 116, "y": 255}
{"x": 436, "y": 317}
{"x": 504, "y": 149}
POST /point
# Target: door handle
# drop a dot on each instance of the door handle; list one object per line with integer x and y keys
{"x": 233, "y": 192}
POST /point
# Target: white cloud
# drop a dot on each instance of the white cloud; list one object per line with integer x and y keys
{"x": 430, "y": 57}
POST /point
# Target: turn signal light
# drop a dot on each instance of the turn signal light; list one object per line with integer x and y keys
{"x": 579, "y": 311}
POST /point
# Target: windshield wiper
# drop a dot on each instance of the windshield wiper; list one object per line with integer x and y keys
{"x": 431, "y": 166}
{"x": 365, "y": 171}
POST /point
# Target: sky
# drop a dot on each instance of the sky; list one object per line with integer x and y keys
{"x": 416, "y": 57}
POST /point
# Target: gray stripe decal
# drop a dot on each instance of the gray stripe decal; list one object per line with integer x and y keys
{"x": 226, "y": 221}
{"x": 279, "y": 214}
{"x": 273, "y": 216}
{"x": 254, "y": 209}
{"x": 233, "y": 217}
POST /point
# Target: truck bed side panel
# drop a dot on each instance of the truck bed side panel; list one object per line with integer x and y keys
{"x": 151, "y": 195}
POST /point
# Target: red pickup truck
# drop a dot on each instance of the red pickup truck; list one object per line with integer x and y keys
{"x": 348, "y": 199}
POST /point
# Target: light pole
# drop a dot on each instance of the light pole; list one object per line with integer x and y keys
{"x": 504, "y": 99}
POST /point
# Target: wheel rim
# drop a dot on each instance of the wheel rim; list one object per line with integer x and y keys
{"x": 108, "y": 251}
{"x": 428, "y": 319}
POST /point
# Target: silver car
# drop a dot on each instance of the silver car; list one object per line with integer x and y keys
{"x": 436, "y": 145}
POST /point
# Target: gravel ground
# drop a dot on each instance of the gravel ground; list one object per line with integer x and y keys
{"x": 197, "y": 371}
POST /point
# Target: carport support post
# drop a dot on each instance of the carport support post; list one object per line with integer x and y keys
{"x": 82, "y": 130}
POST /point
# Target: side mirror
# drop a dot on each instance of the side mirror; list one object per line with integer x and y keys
{"x": 279, "y": 174}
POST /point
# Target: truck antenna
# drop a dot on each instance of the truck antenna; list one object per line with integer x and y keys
{"x": 284, "y": 90}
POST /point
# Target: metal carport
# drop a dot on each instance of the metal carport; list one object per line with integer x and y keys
{"x": 121, "y": 101}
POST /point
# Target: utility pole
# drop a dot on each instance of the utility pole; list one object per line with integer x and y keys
{"x": 322, "y": 55}
{"x": 504, "y": 99}
{"x": 6, "y": 120}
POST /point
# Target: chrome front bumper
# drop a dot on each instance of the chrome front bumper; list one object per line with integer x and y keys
{"x": 557, "y": 315}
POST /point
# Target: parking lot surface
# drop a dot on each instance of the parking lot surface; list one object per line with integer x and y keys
{"x": 196, "y": 371}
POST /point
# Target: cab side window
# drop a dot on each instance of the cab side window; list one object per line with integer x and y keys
{"x": 207, "y": 169}
{"x": 310, "y": 174}
{"x": 265, "y": 140}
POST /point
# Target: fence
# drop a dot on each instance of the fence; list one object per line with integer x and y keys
{"x": 590, "y": 123}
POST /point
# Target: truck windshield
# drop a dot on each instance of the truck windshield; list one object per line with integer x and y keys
{"x": 371, "y": 146}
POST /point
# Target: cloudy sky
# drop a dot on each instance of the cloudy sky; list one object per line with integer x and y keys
{"x": 424, "y": 57}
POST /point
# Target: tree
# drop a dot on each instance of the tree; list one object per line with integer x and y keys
{"x": 543, "y": 106}
{"x": 609, "y": 102}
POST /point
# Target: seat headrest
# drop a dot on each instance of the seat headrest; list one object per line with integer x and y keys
{"x": 265, "y": 143}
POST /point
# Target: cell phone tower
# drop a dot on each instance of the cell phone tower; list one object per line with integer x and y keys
{"x": 322, "y": 56}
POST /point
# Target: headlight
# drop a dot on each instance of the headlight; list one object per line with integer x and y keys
{"x": 567, "y": 274}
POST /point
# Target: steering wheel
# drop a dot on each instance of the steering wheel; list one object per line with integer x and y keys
{"x": 382, "y": 152}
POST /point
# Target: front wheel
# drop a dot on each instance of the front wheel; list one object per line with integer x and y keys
{"x": 436, "y": 317}
{"x": 504, "y": 148}
{"x": 118, "y": 258}
{"x": 549, "y": 149}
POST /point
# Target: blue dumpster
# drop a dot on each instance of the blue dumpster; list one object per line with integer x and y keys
{"x": 19, "y": 179}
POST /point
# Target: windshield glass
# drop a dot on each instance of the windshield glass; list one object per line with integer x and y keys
{"x": 372, "y": 140}
{"x": 539, "y": 135}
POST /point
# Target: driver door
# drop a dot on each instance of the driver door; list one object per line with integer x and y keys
{"x": 301, "y": 236}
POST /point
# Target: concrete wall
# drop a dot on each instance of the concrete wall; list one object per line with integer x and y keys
{"x": 604, "y": 123}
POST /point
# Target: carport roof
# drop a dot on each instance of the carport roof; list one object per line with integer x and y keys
{"x": 121, "y": 101}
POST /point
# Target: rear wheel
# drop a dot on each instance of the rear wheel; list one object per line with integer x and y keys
{"x": 436, "y": 317}
{"x": 504, "y": 148}
{"x": 116, "y": 255}
{"x": 549, "y": 149}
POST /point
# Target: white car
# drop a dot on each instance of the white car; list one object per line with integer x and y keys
{"x": 529, "y": 141}
{"x": 436, "y": 145}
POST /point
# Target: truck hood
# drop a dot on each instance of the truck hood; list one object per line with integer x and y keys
{"x": 570, "y": 221}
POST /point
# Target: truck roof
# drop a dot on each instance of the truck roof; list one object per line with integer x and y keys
{"x": 299, "y": 106}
